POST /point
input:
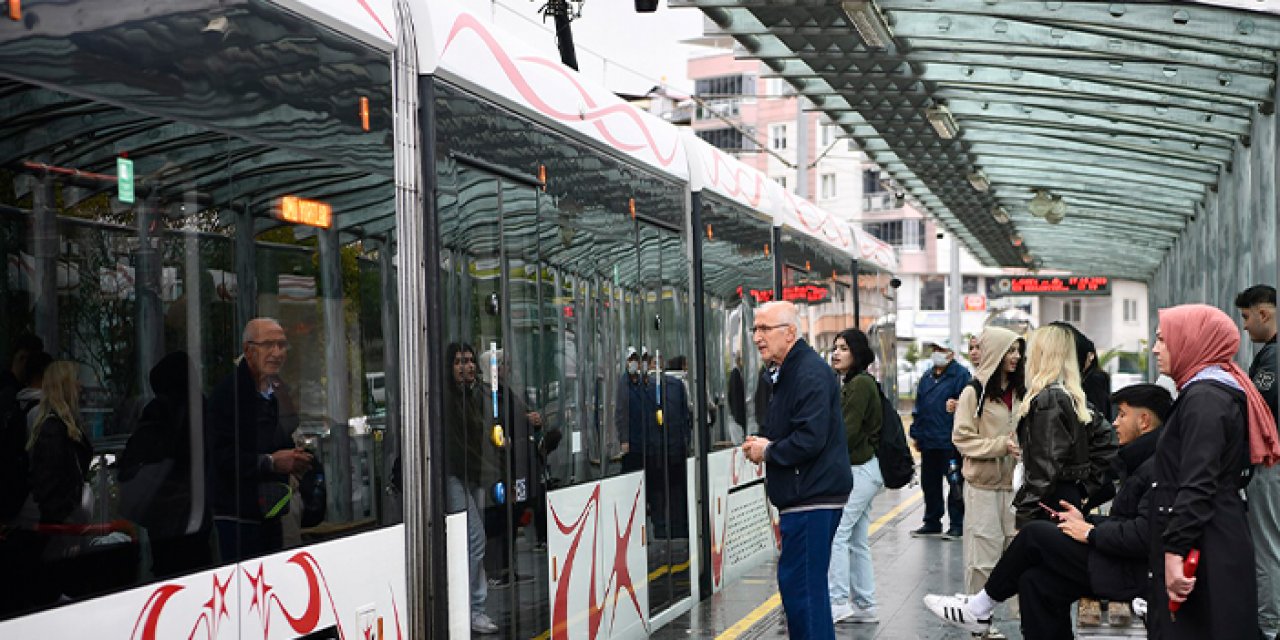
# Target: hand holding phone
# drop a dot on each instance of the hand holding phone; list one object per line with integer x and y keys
{"x": 1053, "y": 515}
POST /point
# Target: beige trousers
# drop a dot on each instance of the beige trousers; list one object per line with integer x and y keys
{"x": 988, "y": 529}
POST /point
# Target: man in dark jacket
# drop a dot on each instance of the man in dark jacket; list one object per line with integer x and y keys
{"x": 931, "y": 430}
{"x": 1257, "y": 306}
{"x": 808, "y": 480}
{"x": 1109, "y": 556}
{"x": 251, "y": 421}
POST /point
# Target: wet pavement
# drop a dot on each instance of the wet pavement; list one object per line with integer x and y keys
{"x": 906, "y": 569}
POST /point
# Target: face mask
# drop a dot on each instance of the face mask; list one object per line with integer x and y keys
{"x": 633, "y": 368}
{"x": 939, "y": 359}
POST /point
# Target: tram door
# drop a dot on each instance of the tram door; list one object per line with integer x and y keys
{"x": 664, "y": 325}
{"x": 494, "y": 387}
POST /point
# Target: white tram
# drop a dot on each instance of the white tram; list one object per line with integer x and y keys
{"x": 462, "y": 242}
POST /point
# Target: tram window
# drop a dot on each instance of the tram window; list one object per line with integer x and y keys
{"x": 153, "y": 316}
{"x": 933, "y": 293}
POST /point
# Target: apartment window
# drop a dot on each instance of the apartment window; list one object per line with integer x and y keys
{"x": 968, "y": 284}
{"x": 829, "y": 133}
{"x": 903, "y": 234}
{"x": 828, "y": 185}
{"x": 871, "y": 181}
{"x": 728, "y": 139}
{"x": 1071, "y": 310}
{"x": 781, "y": 180}
{"x": 778, "y": 137}
{"x": 933, "y": 293}
{"x": 776, "y": 88}
{"x": 725, "y": 87}
{"x": 1130, "y": 310}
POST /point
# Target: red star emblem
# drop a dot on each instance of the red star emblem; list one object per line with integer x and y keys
{"x": 217, "y": 604}
{"x": 260, "y": 591}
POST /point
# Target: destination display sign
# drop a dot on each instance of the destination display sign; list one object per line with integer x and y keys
{"x": 1050, "y": 286}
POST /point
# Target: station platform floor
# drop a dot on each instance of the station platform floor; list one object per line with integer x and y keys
{"x": 906, "y": 569}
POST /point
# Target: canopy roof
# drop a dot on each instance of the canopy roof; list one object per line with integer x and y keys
{"x": 1128, "y": 112}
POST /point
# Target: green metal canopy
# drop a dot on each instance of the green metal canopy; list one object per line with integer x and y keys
{"x": 1068, "y": 135}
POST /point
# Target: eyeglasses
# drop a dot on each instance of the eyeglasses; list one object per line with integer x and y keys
{"x": 761, "y": 328}
{"x": 279, "y": 345}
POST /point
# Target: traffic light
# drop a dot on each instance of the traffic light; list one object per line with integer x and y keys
{"x": 646, "y": 6}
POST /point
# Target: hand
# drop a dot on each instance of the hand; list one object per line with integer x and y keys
{"x": 1177, "y": 585}
{"x": 292, "y": 461}
{"x": 1069, "y": 512}
{"x": 754, "y": 447}
{"x": 952, "y": 403}
{"x": 1011, "y": 445}
{"x": 535, "y": 418}
{"x": 1077, "y": 529}
{"x": 626, "y": 447}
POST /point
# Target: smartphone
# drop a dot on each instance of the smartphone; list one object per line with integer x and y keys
{"x": 1053, "y": 515}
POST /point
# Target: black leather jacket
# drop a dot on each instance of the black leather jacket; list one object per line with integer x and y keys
{"x": 1059, "y": 460}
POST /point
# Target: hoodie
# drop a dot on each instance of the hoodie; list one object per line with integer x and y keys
{"x": 982, "y": 437}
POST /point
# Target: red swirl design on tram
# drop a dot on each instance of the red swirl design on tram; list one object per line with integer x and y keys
{"x": 619, "y": 579}
{"x": 736, "y": 189}
{"x": 598, "y": 116}
{"x": 805, "y": 209}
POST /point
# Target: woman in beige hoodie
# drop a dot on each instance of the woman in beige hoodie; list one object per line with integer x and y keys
{"x": 985, "y": 422}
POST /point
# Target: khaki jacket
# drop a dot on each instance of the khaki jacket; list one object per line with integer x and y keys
{"x": 982, "y": 439}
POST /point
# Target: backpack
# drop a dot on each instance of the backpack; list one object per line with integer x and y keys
{"x": 897, "y": 467}
{"x": 14, "y": 485}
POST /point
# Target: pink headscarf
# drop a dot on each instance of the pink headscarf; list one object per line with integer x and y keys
{"x": 1199, "y": 336}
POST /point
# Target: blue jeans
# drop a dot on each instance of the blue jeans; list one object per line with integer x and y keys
{"x": 851, "y": 551}
{"x": 460, "y": 498}
{"x": 933, "y": 475}
{"x": 802, "y": 572}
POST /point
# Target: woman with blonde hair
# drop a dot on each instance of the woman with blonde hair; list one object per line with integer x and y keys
{"x": 1058, "y": 459}
{"x": 59, "y": 451}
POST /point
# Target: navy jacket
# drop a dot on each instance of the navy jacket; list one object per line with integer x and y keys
{"x": 1263, "y": 373}
{"x": 931, "y": 424}
{"x": 807, "y": 461}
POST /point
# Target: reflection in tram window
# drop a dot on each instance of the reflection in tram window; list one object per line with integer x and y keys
{"x": 213, "y": 438}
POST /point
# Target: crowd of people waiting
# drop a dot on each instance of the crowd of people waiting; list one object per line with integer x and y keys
{"x": 1162, "y": 500}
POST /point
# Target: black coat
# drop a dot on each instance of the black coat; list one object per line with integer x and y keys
{"x": 58, "y": 468}
{"x": 1195, "y": 503}
{"x": 1118, "y": 564}
{"x": 807, "y": 462}
{"x": 244, "y": 427}
{"x": 1054, "y": 455}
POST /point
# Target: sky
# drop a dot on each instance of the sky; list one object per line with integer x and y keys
{"x": 640, "y": 48}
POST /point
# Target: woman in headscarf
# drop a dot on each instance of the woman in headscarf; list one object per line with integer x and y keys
{"x": 1219, "y": 426}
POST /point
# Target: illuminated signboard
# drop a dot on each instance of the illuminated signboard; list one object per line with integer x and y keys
{"x": 1051, "y": 286}
{"x": 795, "y": 293}
{"x": 309, "y": 212}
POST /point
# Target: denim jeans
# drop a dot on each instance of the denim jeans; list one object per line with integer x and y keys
{"x": 802, "y": 572}
{"x": 460, "y": 497}
{"x": 851, "y": 551}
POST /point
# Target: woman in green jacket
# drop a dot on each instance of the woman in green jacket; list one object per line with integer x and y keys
{"x": 850, "y": 579}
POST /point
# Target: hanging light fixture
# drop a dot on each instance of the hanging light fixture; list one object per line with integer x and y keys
{"x": 1000, "y": 214}
{"x": 1040, "y": 204}
{"x": 1057, "y": 211}
{"x": 978, "y": 180}
{"x": 939, "y": 116}
{"x": 870, "y": 23}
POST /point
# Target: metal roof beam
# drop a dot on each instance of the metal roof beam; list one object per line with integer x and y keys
{"x": 1150, "y": 145}
{"x": 934, "y": 25}
{"x": 989, "y": 142}
{"x": 1106, "y": 167}
{"x": 1206, "y": 25}
{"x": 1087, "y": 199}
{"x": 1061, "y": 121}
{"x": 996, "y": 168}
{"x": 1059, "y": 185}
{"x": 1158, "y": 115}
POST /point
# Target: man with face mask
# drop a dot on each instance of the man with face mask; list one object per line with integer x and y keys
{"x": 636, "y": 409}
{"x": 931, "y": 431}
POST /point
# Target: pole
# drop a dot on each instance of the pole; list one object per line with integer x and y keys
{"x": 953, "y": 306}
{"x": 559, "y": 10}
{"x": 857, "y": 301}
{"x": 802, "y": 149}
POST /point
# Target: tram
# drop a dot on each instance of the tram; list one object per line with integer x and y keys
{"x": 466, "y": 246}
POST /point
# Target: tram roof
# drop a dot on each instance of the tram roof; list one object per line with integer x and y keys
{"x": 1130, "y": 112}
{"x": 465, "y": 47}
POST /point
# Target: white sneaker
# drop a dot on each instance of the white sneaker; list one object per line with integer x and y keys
{"x": 841, "y": 612}
{"x": 864, "y": 615}
{"x": 482, "y": 624}
{"x": 954, "y": 610}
